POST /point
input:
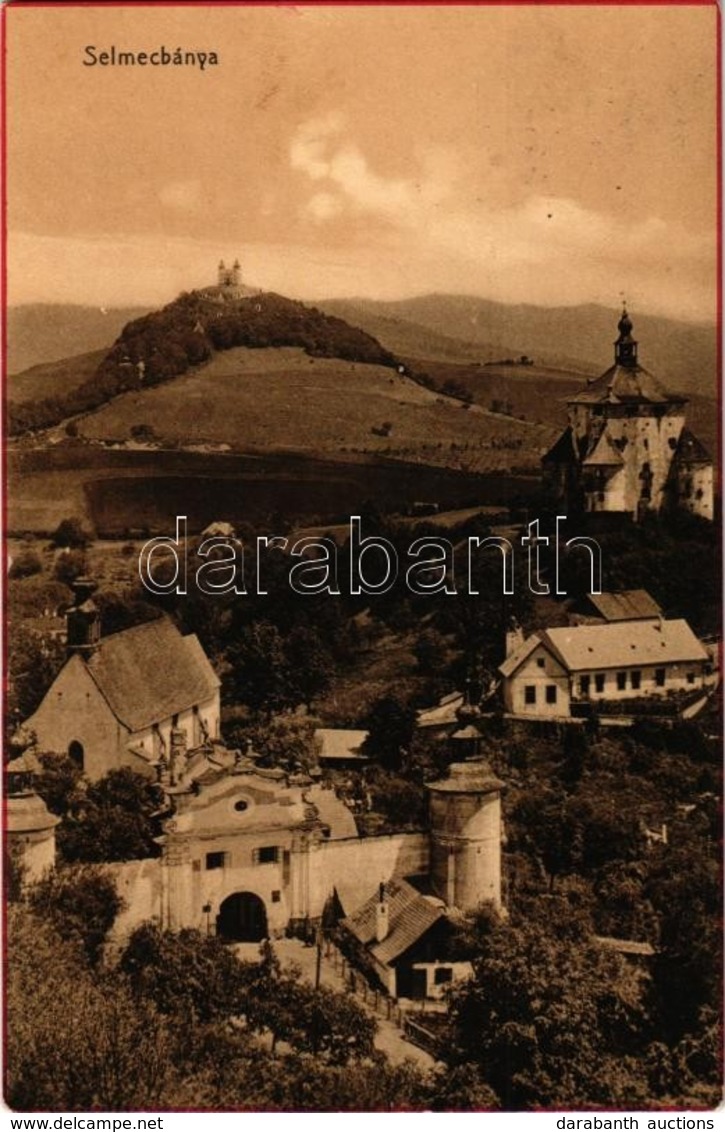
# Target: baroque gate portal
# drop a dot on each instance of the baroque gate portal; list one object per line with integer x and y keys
{"x": 242, "y": 917}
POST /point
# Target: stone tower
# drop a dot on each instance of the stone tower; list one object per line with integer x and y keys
{"x": 626, "y": 449}
{"x": 465, "y": 831}
{"x": 229, "y": 276}
{"x": 30, "y": 825}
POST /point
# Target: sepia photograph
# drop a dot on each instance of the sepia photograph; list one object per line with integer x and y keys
{"x": 363, "y": 575}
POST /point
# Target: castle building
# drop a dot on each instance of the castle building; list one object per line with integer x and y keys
{"x": 627, "y": 449}
{"x": 117, "y": 699}
{"x": 250, "y": 853}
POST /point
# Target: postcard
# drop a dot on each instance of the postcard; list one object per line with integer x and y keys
{"x": 362, "y": 530}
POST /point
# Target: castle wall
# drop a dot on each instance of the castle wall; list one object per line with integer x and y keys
{"x": 356, "y": 866}
{"x": 173, "y": 891}
{"x": 694, "y": 485}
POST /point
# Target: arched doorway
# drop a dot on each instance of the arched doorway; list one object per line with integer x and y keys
{"x": 243, "y": 917}
{"x": 75, "y": 752}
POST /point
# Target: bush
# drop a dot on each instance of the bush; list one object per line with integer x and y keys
{"x": 25, "y": 565}
{"x": 72, "y": 534}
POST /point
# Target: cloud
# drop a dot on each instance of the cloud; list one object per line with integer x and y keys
{"x": 541, "y": 248}
{"x": 184, "y": 196}
{"x": 323, "y": 206}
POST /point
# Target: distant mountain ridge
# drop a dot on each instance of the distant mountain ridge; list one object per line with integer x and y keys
{"x": 682, "y": 354}
{"x": 39, "y": 333}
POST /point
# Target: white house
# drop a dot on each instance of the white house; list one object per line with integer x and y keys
{"x": 554, "y": 670}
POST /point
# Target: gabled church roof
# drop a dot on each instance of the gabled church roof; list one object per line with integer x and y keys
{"x": 150, "y": 673}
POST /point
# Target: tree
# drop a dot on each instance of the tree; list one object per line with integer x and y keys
{"x": 286, "y": 740}
{"x": 111, "y": 820}
{"x": 82, "y": 904}
{"x": 77, "y": 1040}
{"x": 33, "y": 664}
{"x": 71, "y": 533}
{"x": 259, "y": 675}
{"x": 390, "y": 724}
{"x": 185, "y": 973}
{"x": 550, "y": 1022}
{"x": 59, "y": 782}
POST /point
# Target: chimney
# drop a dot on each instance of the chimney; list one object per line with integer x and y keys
{"x": 514, "y": 637}
{"x": 83, "y": 622}
{"x": 382, "y": 916}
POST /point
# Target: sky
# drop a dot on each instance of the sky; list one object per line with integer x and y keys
{"x": 539, "y": 154}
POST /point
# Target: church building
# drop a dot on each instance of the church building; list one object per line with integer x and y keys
{"x": 627, "y": 449}
{"x": 117, "y": 699}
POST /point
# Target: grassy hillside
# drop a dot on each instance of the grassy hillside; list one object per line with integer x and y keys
{"x": 48, "y": 332}
{"x": 682, "y": 354}
{"x": 59, "y": 377}
{"x": 164, "y": 344}
{"x": 284, "y": 399}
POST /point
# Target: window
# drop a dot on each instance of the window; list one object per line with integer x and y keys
{"x": 584, "y": 682}
{"x": 442, "y": 975}
{"x": 551, "y": 693}
{"x": 75, "y": 752}
{"x": 621, "y": 681}
{"x": 241, "y": 806}
{"x": 540, "y": 661}
{"x": 690, "y": 677}
{"x": 266, "y": 855}
{"x": 660, "y": 675}
{"x": 636, "y": 679}
{"x": 216, "y": 860}
{"x": 530, "y": 694}
{"x": 276, "y": 896}
{"x": 599, "y": 682}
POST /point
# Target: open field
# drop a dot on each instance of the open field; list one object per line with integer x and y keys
{"x": 53, "y": 379}
{"x": 118, "y": 491}
{"x": 282, "y": 398}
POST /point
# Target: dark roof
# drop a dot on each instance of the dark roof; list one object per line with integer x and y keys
{"x": 472, "y": 777}
{"x": 690, "y": 450}
{"x": 562, "y": 452}
{"x": 624, "y": 383}
{"x": 410, "y": 916}
{"x": 629, "y": 605}
{"x": 151, "y": 672}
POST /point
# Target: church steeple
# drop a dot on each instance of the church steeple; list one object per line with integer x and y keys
{"x": 625, "y": 348}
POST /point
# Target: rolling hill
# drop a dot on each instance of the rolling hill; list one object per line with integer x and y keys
{"x": 682, "y": 354}
{"x": 281, "y": 398}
